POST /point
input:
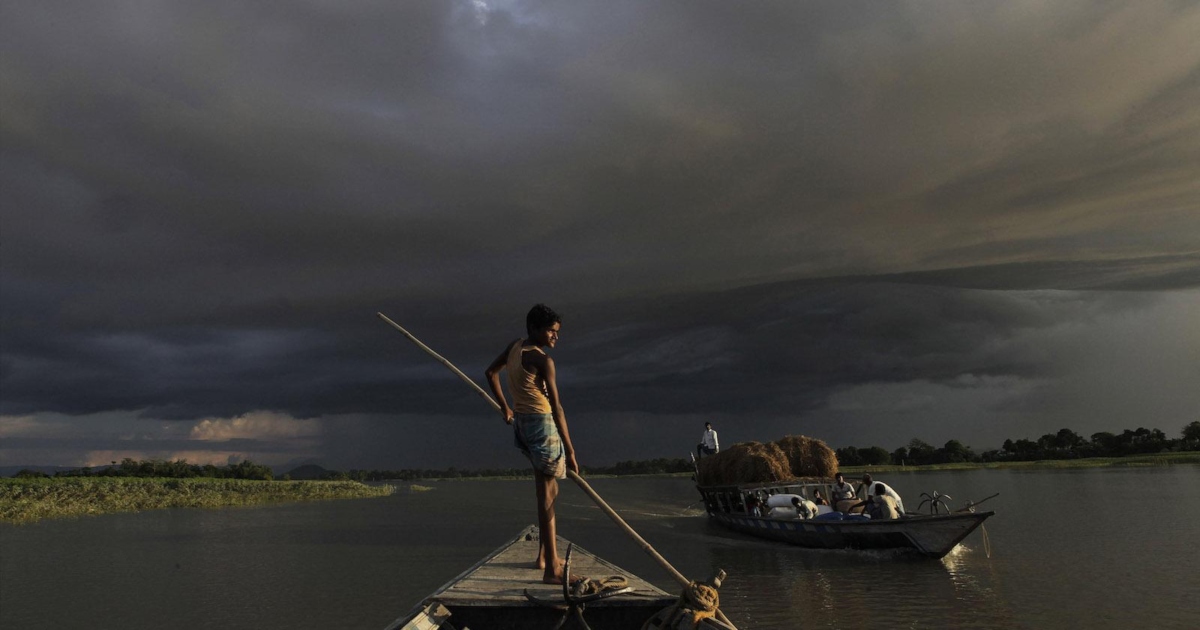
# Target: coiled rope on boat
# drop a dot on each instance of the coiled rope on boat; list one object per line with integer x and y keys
{"x": 697, "y": 605}
{"x": 588, "y": 586}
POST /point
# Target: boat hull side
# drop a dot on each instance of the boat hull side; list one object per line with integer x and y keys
{"x": 933, "y": 536}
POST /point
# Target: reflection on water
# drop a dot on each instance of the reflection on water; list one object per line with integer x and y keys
{"x": 362, "y": 563}
{"x": 879, "y": 588}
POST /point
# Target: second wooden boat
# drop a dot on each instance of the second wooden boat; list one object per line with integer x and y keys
{"x": 933, "y": 535}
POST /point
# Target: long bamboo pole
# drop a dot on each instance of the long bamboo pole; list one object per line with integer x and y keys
{"x": 604, "y": 507}
{"x": 441, "y": 359}
{"x": 583, "y": 485}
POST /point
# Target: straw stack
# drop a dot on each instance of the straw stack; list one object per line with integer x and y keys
{"x": 753, "y": 462}
{"x": 808, "y": 457}
{"x": 747, "y": 462}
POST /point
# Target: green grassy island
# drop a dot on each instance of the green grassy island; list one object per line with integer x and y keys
{"x": 33, "y": 499}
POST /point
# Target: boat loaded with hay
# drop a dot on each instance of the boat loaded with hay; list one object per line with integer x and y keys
{"x": 736, "y": 483}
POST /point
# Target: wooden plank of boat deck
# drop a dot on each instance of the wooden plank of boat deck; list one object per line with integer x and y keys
{"x": 503, "y": 579}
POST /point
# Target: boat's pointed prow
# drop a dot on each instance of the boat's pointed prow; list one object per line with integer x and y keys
{"x": 491, "y": 594}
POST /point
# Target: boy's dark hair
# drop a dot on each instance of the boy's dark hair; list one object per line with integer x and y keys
{"x": 539, "y": 317}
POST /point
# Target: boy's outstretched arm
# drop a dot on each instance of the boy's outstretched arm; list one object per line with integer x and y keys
{"x": 492, "y": 374}
{"x": 560, "y": 417}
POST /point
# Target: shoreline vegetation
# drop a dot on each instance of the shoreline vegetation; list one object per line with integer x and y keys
{"x": 1131, "y": 461}
{"x": 30, "y": 499}
{"x": 133, "y": 486}
{"x": 1128, "y": 461}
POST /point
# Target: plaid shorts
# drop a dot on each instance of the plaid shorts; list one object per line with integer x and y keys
{"x": 537, "y": 437}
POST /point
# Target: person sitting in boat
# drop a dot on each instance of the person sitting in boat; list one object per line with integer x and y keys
{"x": 819, "y": 498}
{"x": 844, "y": 497}
{"x": 708, "y": 442}
{"x": 788, "y": 506}
{"x": 805, "y": 509}
{"x": 869, "y": 488}
{"x": 881, "y": 506}
{"x": 842, "y": 490}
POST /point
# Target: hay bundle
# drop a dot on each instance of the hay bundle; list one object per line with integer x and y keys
{"x": 746, "y": 462}
{"x": 808, "y": 457}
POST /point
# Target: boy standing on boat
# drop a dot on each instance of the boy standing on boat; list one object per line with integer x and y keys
{"x": 539, "y": 424}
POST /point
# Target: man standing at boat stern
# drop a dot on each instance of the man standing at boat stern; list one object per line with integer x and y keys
{"x": 539, "y": 424}
{"x": 708, "y": 442}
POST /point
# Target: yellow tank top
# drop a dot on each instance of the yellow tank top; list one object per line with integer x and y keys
{"x": 527, "y": 388}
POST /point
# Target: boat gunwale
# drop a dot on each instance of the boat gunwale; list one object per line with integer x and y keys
{"x": 421, "y": 605}
{"x": 908, "y": 518}
{"x": 812, "y": 481}
{"x": 655, "y": 593}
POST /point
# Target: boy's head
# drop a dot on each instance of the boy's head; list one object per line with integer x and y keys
{"x": 539, "y": 320}
{"x": 839, "y": 478}
{"x": 707, "y": 425}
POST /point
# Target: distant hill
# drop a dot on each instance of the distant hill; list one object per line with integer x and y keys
{"x": 8, "y": 471}
{"x": 305, "y": 472}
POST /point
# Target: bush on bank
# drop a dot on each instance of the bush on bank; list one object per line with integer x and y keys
{"x": 32, "y": 499}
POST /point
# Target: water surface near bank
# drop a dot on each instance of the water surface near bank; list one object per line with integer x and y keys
{"x": 1102, "y": 548}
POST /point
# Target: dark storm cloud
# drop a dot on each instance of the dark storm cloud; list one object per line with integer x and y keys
{"x": 739, "y": 207}
{"x": 785, "y": 347}
{"x": 762, "y": 349}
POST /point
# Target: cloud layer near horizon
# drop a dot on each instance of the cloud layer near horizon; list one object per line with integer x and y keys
{"x": 757, "y": 213}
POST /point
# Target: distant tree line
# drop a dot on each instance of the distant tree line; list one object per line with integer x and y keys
{"x": 178, "y": 469}
{"x": 1065, "y": 444}
{"x": 662, "y": 465}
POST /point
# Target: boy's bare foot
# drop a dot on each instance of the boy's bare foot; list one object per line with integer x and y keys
{"x": 540, "y": 563}
{"x": 549, "y": 578}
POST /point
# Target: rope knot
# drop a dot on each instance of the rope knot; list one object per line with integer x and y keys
{"x": 697, "y": 605}
{"x": 702, "y": 597}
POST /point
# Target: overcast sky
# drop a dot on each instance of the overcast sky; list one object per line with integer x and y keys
{"x": 860, "y": 221}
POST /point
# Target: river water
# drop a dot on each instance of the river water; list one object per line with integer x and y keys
{"x": 1092, "y": 548}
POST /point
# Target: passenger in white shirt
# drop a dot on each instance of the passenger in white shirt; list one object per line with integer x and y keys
{"x": 804, "y": 508}
{"x": 842, "y": 491}
{"x": 869, "y": 489}
{"x": 882, "y": 506}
